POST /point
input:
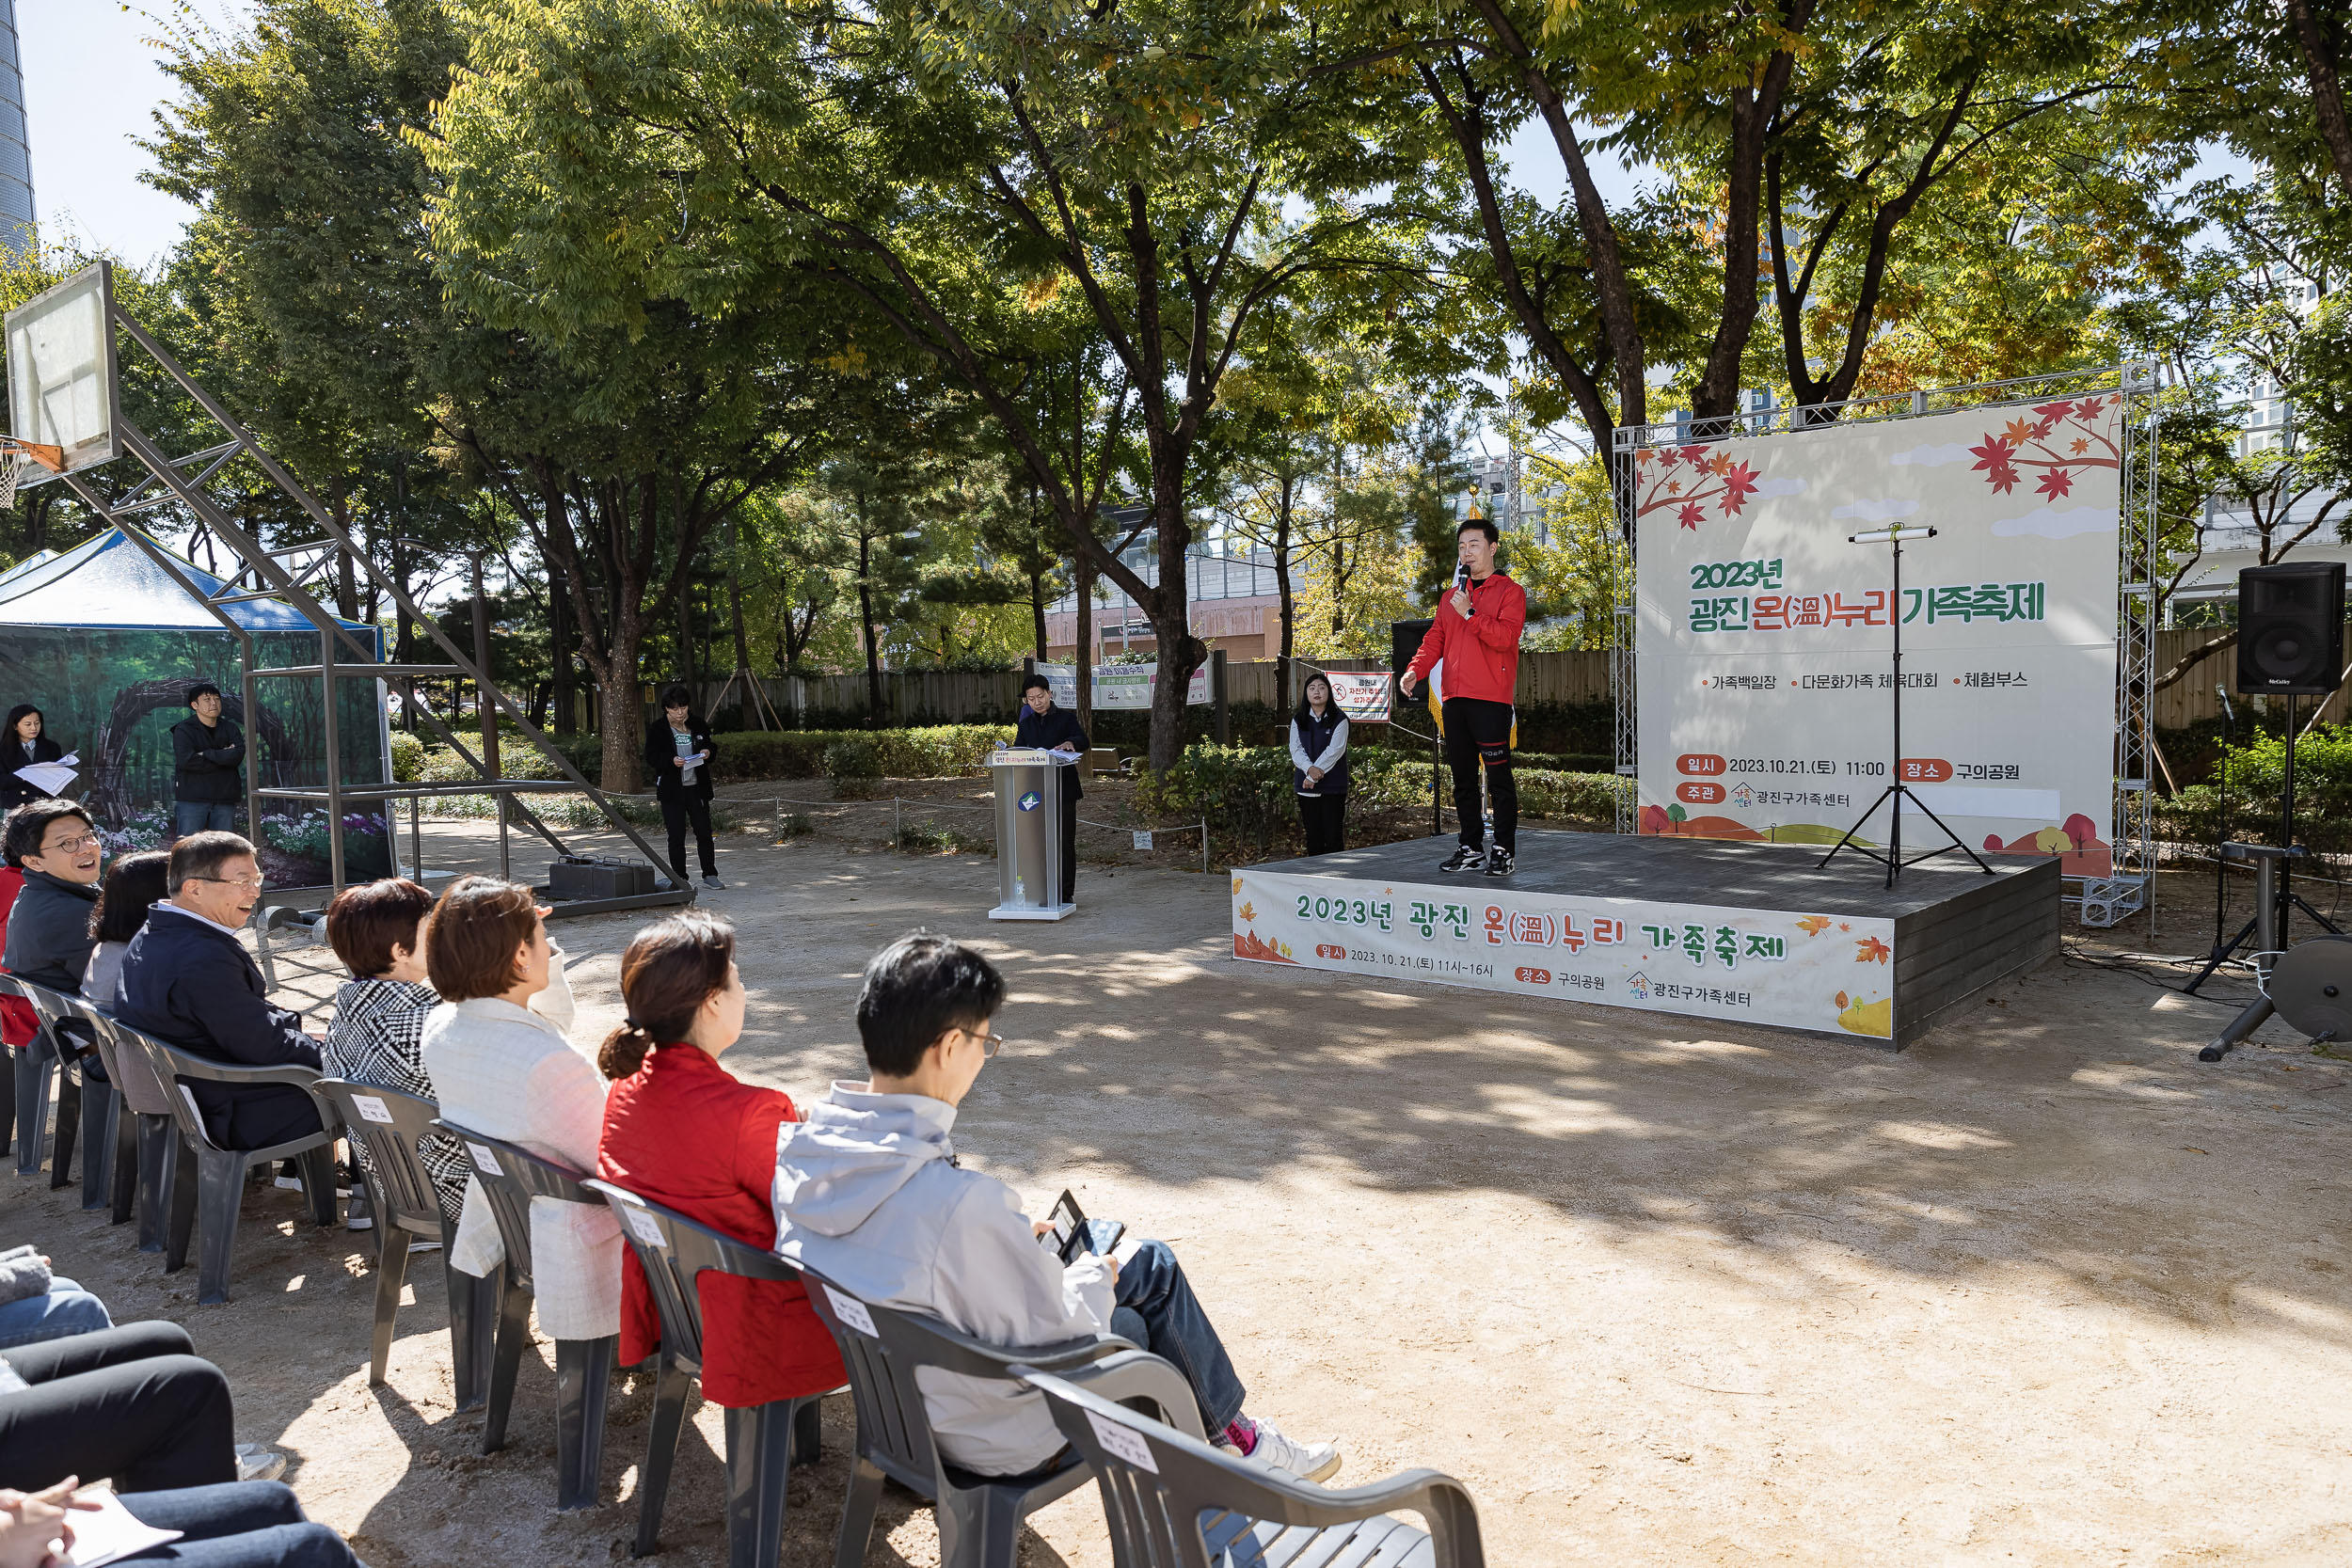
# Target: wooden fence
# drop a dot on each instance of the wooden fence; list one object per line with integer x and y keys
{"x": 1573, "y": 676}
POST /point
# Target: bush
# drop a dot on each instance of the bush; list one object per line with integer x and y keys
{"x": 2255, "y": 777}
{"x": 407, "y": 757}
{"x": 937, "y": 751}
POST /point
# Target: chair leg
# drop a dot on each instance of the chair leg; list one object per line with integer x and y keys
{"x": 583, "y": 1379}
{"x": 318, "y": 1182}
{"x": 69, "y": 1128}
{"x": 183, "y": 1201}
{"x": 101, "y": 1108}
{"x": 980, "y": 1528}
{"x": 514, "y": 1335}
{"x": 392, "y": 1269}
{"x": 473, "y": 1321}
{"x": 672, "y": 1383}
{"x": 808, "y": 1431}
{"x": 123, "y": 1183}
{"x": 159, "y": 1163}
{"x": 857, "y": 1513}
{"x": 220, "y": 1192}
{"x": 759, "y": 1454}
{"x": 8, "y": 1100}
{"x": 32, "y": 1105}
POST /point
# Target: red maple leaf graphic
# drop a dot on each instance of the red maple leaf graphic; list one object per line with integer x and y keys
{"x": 2053, "y": 411}
{"x": 1739, "y": 482}
{"x": 1872, "y": 950}
{"x": 2055, "y": 483}
{"x": 2088, "y": 406}
{"x": 1993, "y": 461}
{"x": 1689, "y": 515}
{"x": 1695, "y": 456}
{"x": 1668, "y": 458}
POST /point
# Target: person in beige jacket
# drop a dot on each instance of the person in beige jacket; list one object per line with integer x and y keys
{"x": 497, "y": 1052}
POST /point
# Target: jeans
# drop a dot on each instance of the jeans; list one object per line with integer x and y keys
{"x": 130, "y": 1403}
{"x": 196, "y": 817}
{"x": 1157, "y": 1310}
{"x": 1476, "y": 732}
{"x": 242, "y": 1523}
{"x": 66, "y": 1310}
{"x": 675, "y": 813}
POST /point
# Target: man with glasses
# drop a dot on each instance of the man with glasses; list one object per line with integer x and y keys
{"x": 188, "y": 981}
{"x": 869, "y": 1194}
{"x": 207, "y": 765}
{"x": 49, "y": 938}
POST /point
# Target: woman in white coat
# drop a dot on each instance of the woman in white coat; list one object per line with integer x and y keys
{"x": 496, "y": 1054}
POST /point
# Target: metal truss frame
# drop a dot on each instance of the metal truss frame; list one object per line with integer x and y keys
{"x": 2129, "y": 888}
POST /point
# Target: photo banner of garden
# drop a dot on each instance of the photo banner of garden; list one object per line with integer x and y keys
{"x": 107, "y": 646}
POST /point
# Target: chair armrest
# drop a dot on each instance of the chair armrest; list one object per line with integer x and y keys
{"x": 210, "y": 1072}
{"x": 1432, "y": 1494}
{"x": 1129, "y": 1373}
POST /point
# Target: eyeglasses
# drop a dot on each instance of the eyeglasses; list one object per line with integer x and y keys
{"x": 70, "y": 846}
{"x": 991, "y": 1044}
{"x": 256, "y": 884}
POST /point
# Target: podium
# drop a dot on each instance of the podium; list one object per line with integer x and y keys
{"x": 1029, "y": 784}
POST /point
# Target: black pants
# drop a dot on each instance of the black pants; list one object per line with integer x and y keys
{"x": 675, "y": 813}
{"x": 132, "y": 1403}
{"x": 1069, "y": 848}
{"x": 246, "y": 1524}
{"x": 1325, "y": 818}
{"x": 257, "y": 1115}
{"x": 1476, "y": 732}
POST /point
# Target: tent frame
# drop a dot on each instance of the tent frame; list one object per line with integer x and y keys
{"x": 262, "y": 574}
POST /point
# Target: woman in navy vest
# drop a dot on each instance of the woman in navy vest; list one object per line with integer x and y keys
{"x": 1319, "y": 766}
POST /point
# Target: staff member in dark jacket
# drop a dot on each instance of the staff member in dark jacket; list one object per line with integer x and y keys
{"x": 53, "y": 843}
{"x": 1056, "y": 729}
{"x": 188, "y": 981}
{"x": 1319, "y": 766}
{"x": 677, "y": 756}
{"x": 207, "y": 766}
{"x": 22, "y": 743}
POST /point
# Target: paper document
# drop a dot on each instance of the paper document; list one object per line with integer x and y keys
{"x": 109, "y": 1534}
{"x": 51, "y": 777}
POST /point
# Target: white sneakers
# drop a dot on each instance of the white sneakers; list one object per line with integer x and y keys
{"x": 1307, "y": 1461}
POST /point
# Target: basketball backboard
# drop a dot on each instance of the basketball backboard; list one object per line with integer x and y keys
{"x": 62, "y": 368}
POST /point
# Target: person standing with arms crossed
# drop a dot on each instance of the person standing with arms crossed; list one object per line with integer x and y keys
{"x": 207, "y": 763}
{"x": 1476, "y": 632}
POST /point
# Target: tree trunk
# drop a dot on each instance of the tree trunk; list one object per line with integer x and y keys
{"x": 561, "y": 632}
{"x": 735, "y": 604}
{"x": 1282, "y": 590}
{"x": 1036, "y": 612}
{"x": 865, "y": 619}
{"x": 617, "y": 693}
{"x": 1082, "y": 648}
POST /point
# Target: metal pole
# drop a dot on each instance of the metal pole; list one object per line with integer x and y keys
{"x": 416, "y": 842}
{"x": 1204, "y": 846}
{"x": 485, "y": 711}
{"x": 1895, "y": 806}
{"x": 1223, "y": 711}
{"x": 334, "y": 760}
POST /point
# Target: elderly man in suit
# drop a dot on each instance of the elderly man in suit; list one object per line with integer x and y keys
{"x": 188, "y": 981}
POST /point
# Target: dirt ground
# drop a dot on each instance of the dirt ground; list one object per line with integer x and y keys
{"x": 2042, "y": 1288}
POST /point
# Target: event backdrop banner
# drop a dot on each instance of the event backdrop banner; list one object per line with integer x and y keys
{"x": 1814, "y": 972}
{"x": 1764, "y": 635}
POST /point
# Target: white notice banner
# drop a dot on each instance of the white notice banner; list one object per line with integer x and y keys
{"x": 1362, "y": 695}
{"x": 1119, "y": 686}
{"x": 1764, "y": 635}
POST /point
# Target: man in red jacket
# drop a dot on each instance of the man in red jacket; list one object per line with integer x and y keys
{"x": 1477, "y": 633}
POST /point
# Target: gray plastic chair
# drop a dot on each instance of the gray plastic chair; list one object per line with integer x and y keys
{"x": 979, "y": 1516}
{"x": 146, "y": 1124}
{"x": 763, "y": 1442}
{"x": 207, "y": 1186}
{"x": 387, "y": 1124}
{"x": 1172, "y": 1501}
{"x": 41, "y": 1070}
{"x": 511, "y": 1178}
{"x": 66, "y": 1017}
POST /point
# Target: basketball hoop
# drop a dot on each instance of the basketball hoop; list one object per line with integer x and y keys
{"x": 16, "y": 457}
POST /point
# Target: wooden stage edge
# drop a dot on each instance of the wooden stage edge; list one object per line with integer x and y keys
{"x": 1755, "y": 933}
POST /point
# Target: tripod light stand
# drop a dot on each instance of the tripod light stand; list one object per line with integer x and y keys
{"x": 1897, "y": 791}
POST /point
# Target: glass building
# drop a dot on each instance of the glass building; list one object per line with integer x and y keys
{"x": 16, "y": 163}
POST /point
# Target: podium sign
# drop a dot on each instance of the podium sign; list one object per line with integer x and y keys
{"x": 1028, "y": 785}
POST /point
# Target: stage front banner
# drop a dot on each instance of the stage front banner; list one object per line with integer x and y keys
{"x": 1822, "y": 972}
{"x": 1763, "y": 639}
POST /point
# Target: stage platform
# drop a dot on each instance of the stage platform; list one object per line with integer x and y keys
{"x": 1757, "y": 932}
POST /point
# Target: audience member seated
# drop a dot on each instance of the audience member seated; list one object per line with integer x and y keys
{"x": 134, "y": 886}
{"x": 250, "y": 1524}
{"x": 869, "y": 1194}
{"x": 53, "y": 843}
{"x": 36, "y": 1305}
{"x": 681, "y": 1130}
{"x": 188, "y": 981}
{"x": 505, "y": 1067}
{"x": 378, "y": 930}
{"x": 134, "y": 1404}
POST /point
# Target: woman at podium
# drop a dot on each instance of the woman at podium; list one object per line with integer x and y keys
{"x": 1055, "y": 729}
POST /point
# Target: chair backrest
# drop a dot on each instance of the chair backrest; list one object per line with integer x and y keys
{"x": 511, "y": 1177}
{"x": 675, "y": 1253}
{"x": 882, "y": 1347}
{"x": 1172, "y": 1501}
{"x": 43, "y": 1042}
{"x": 127, "y": 1066}
{"x": 178, "y": 1068}
{"x": 387, "y": 1123}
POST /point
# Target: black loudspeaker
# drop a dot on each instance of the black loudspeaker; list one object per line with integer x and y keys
{"x": 2290, "y": 628}
{"x": 1403, "y": 642}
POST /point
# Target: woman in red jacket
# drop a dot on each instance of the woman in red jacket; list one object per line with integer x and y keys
{"x": 682, "y": 1132}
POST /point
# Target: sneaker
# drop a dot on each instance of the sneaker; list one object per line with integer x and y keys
{"x": 1498, "y": 861}
{"x": 256, "y": 1462}
{"x": 1464, "y": 859}
{"x": 713, "y": 881}
{"x": 359, "y": 1214}
{"x": 292, "y": 1183}
{"x": 1307, "y": 1461}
